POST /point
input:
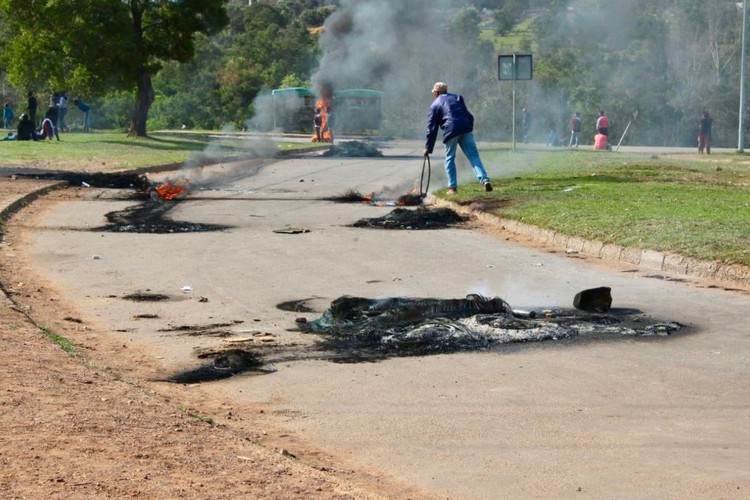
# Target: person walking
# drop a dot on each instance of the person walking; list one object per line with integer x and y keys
{"x": 31, "y": 106}
{"x": 8, "y": 116}
{"x": 704, "y": 133}
{"x": 575, "y": 130}
{"x": 602, "y": 124}
{"x": 449, "y": 113}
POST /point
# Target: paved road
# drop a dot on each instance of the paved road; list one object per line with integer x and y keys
{"x": 622, "y": 418}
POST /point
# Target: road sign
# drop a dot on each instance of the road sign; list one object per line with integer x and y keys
{"x": 514, "y": 67}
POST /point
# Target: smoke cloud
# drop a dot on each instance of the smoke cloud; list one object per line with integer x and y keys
{"x": 402, "y": 47}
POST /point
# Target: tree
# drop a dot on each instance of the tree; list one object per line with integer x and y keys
{"x": 98, "y": 45}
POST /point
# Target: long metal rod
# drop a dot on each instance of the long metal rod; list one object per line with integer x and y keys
{"x": 741, "y": 128}
{"x": 514, "y": 103}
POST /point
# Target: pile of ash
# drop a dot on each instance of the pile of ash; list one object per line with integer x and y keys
{"x": 151, "y": 217}
{"x": 222, "y": 365}
{"x": 360, "y": 328}
{"x": 420, "y": 218}
{"x": 353, "y": 149}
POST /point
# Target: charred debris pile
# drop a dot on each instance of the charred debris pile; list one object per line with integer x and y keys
{"x": 355, "y": 149}
{"x": 360, "y": 328}
{"x": 419, "y": 218}
{"x": 352, "y": 196}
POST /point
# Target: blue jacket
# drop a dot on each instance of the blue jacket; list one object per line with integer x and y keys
{"x": 449, "y": 113}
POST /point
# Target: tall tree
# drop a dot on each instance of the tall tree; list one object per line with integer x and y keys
{"x": 98, "y": 45}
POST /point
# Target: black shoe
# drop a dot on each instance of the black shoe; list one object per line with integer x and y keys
{"x": 487, "y": 186}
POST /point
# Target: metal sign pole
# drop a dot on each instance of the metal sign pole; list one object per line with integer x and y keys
{"x": 507, "y": 69}
{"x": 741, "y": 127}
{"x": 514, "y": 102}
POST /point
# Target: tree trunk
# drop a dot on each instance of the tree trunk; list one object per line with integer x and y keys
{"x": 143, "y": 100}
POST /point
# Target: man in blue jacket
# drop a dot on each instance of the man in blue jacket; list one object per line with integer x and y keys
{"x": 449, "y": 113}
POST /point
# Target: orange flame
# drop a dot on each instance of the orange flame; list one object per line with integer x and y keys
{"x": 172, "y": 189}
{"x": 325, "y": 131}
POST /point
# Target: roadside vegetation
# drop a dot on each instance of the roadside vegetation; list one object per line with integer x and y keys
{"x": 664, "y": 62}
{"x": 111, "y": 151}
{"x": 695, "y": 206}
{"x": 65, "y": 343}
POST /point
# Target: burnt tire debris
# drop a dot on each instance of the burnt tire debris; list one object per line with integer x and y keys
{"x": 360, "y": 329}
{"x": 151, "y": 217}
{"x": 353, "y": 196}
{"x": 222, "y": 365}
{"x": 146, "y": 297}
{"x": 353, "y": 149}
{"x": 419, "y": 218}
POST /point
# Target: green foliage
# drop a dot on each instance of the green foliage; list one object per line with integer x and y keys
{"x": 262, "y": 48}
{"x": 59, "y": 44}
{"x": 631, "y": 199}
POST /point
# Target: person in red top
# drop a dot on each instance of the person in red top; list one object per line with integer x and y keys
{"x": 600, "y": 142}
{"x": 602, "y": 123}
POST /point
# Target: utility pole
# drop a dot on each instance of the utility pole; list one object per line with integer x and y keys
{"x": 741, "y": 131}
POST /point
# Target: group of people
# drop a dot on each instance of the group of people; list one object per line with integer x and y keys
{"x": 600, "y": 140}
{"x": 51, "y": 124}
{"x": 448, "y": 112}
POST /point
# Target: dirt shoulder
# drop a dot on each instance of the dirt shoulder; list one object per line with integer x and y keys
{"x": 72, "y": 426}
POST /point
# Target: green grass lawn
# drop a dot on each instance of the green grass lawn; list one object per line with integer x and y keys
{"x": 697, "y": 207}
{"x": 107, "y": 151}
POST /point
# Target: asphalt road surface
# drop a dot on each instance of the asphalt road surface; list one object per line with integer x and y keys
{"x": 621, "y": 417}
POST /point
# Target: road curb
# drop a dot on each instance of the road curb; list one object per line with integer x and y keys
{"x": 731, "y": 274}
{"x": 9, "y": 208}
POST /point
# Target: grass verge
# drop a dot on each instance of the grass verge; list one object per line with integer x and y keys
{"x": 110, "y": 151}
{"x": 695, "y": 206}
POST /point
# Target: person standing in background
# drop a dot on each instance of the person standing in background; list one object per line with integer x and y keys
{"x": 602, "y": 124}
{"x": 575, "y": 130}
{"x": 704, "y": 133}
{"x": 62, "y": 107}
{"x": 317, "y": 123}
{"x": 8, "y": 116}
{"x": 86, "y": 110}
{"x": 31, "y": 107}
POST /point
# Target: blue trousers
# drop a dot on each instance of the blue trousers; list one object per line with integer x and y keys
{"x": 469, "y": 147}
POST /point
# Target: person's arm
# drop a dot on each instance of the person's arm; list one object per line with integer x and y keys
{"x": 433, "y": 124}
